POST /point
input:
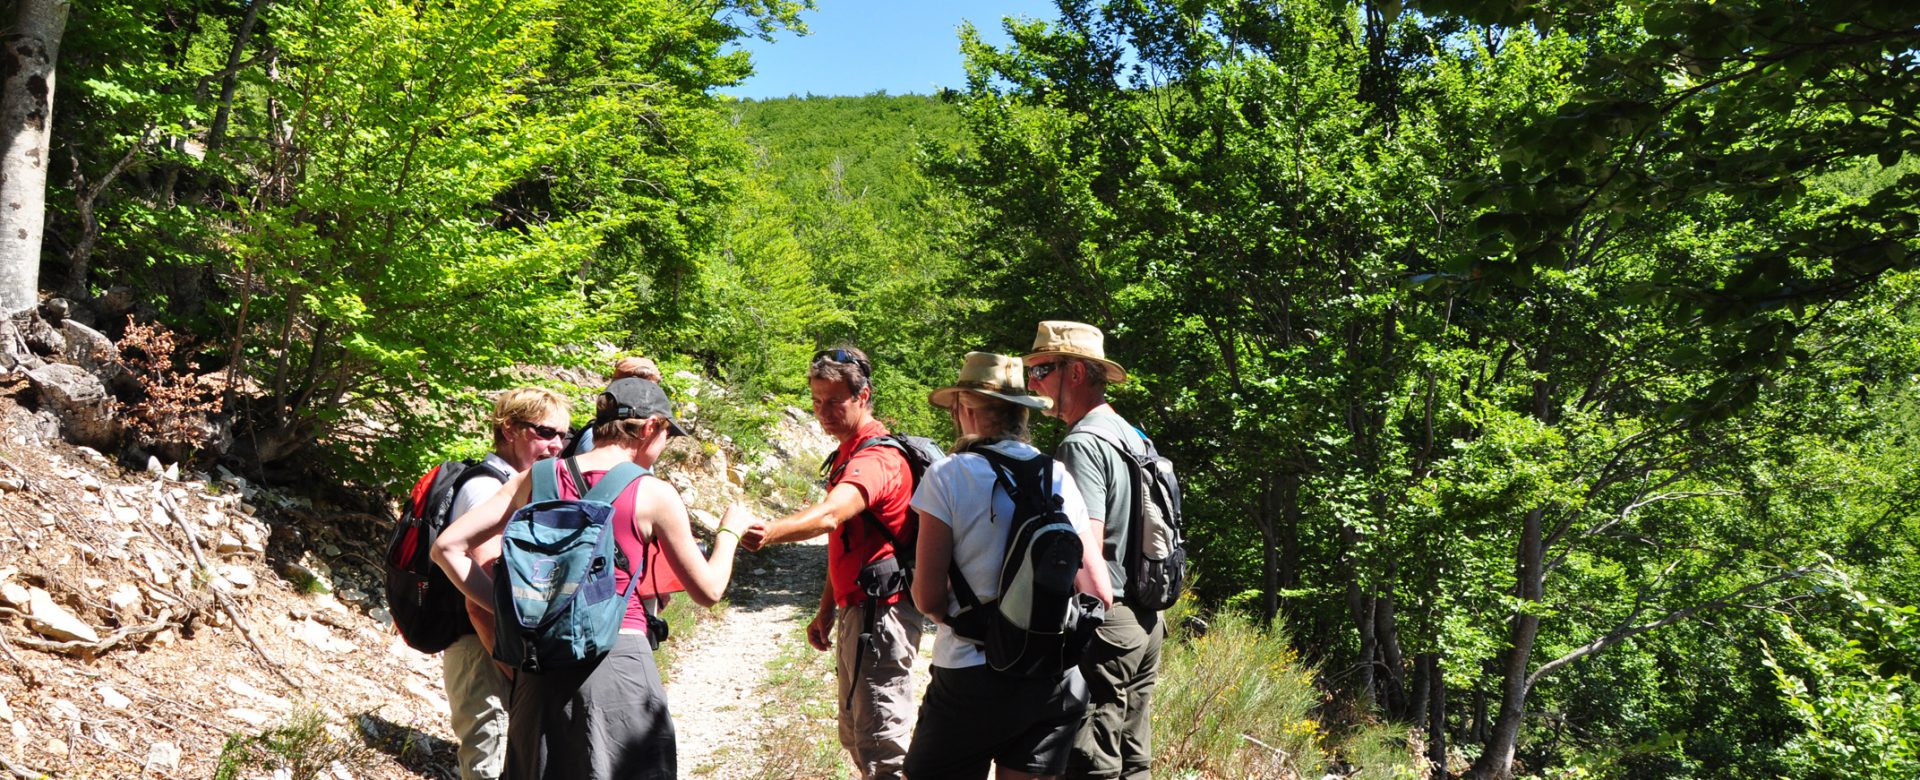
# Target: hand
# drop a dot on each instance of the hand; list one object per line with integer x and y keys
{"x": 754, "y": 537}
{"x": 820, "y": 631}
{"x": 736, "y": 518}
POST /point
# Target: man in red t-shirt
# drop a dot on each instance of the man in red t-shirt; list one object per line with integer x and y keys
{"x": 864, "y": 515}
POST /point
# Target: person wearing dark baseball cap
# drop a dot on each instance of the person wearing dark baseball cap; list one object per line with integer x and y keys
{"x": 633, "y": 398}
{"x": 607, "y": 719}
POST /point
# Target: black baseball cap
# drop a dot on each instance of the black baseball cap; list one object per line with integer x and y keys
{"x": 633, "y": 398}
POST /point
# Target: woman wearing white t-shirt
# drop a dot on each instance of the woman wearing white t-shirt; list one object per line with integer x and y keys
{"x": 972, "y": 716}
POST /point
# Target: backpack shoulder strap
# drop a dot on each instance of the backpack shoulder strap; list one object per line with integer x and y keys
{"x": 1111, "y": 440}
{"x": 491, "y": 467}
{"x": 546, "y": 484}
{"x": 1020, "y": 478}
{"x": 832, "y": 474}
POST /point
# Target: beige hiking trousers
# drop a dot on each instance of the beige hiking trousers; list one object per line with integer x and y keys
{"x": 876, "y": 699}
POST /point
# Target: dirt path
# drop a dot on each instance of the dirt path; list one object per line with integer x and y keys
{"x": 715, "y": 688}
{"x": 736, "y": 717}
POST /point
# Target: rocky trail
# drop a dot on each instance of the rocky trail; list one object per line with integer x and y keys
{"x": 717, "y": 680}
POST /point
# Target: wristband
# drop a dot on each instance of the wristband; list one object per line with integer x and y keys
{"x": 736, "y": 534}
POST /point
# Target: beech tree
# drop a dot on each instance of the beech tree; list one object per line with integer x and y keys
{"x": 32, "y": 49}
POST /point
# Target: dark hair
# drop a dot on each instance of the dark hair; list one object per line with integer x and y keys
{"x": 630, "y": 429}
{"x": 845, "y": 364}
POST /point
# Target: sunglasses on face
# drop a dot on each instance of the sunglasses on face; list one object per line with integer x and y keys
{"x": 844, "y": 357}
{"x": 543, "y": 432}
{"x": 1039, "y": 372}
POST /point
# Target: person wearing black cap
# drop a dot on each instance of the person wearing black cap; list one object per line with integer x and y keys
{"x": 607, "y": 719}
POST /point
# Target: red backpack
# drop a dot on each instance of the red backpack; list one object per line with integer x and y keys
{"x": 427, "y": 609}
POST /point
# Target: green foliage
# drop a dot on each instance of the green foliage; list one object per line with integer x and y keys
{"x": 861, "y": 240}
{"x": 1856, "y": 697}
{"x": 389, "y": 210}
{"x": 1236, "y": 702}
{"x": 1432, "y": 395}
{"x": 1239, "y": 702}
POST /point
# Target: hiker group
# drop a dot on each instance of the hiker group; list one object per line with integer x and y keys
{"x": 538, "y": 572}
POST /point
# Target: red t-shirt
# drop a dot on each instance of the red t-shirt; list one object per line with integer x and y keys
{"x": 882, "y": 476}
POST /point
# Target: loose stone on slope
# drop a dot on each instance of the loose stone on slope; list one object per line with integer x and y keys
{"x": 52, "y": 620}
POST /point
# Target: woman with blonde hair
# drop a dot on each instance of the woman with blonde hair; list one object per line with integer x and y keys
{"x": 606, "y": 718}
{"x": 529, "y": 423}
{"x": 974, "y": 716}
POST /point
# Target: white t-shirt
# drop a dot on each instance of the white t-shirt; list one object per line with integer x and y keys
{"x": 955, "y": 491}
{"x": 479, "y": 488}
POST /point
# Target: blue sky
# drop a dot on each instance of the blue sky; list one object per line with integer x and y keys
{"x": 857, "y": 47}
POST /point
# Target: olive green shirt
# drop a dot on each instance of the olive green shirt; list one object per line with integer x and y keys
{"x": 1105, "y": 483}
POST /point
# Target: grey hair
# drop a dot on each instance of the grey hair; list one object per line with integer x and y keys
{"x": 1096, "y": 374}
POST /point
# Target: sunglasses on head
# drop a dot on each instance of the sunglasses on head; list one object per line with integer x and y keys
{"x": 844, "y": 357}
{"x": 1039, "y": 372}
{"x": 543, "y": 432}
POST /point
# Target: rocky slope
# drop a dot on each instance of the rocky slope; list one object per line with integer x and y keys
{"x": 160, "y": 624}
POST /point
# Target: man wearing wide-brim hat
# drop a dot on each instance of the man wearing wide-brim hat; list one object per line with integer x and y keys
{"x": 1069, "y": 365}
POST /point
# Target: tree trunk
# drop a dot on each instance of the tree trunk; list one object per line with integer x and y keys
{"x": 26, "y": 131}
{"x": 1496, "y": 759}
{"x": 1386, "y": 630}
{"x": 1268, "y": 518}
{"x": 1436, "y": 716}
{"x": 1360, "y": 610}
{"x": 1478, "y": 733}
{"x": 230, "y": 77}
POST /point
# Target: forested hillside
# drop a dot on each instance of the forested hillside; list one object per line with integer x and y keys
{"x": 1542, "y": 376}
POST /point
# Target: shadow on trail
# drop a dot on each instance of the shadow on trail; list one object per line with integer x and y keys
{"x": 787, "y": 575}
{"x": 421, "y": 753}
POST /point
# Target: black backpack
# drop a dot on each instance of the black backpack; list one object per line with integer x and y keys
{"x": 1155, "y": 554}
{"x": 427, "y": 609}
{"x": 1039, "y": 625}
{"x": 920, "y": 452}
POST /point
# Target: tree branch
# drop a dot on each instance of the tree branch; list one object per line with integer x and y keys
{"x": 1625, "y": 632}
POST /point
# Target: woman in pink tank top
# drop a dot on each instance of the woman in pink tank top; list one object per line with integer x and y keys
{"x": 605, "y": 719}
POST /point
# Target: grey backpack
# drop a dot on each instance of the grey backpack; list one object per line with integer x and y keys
{"x": 1038, "y": 626}
{"x": 1155, "y": 555}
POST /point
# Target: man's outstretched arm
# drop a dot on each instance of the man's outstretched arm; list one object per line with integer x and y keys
{"x": 842, "y": 503}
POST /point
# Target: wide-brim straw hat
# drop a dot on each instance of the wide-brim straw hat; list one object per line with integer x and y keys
{"x": 1061, "y": 338}
{"x": 996, "y": 376}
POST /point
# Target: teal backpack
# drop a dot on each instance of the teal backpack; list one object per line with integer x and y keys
{"x": 555, "y": 603}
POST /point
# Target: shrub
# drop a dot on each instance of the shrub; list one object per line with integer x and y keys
{"x": 176, "y": 414}
{"x": 1236, "y": 702}
{"x": 1858, "y": 700}
{"x": 302, "y": 747}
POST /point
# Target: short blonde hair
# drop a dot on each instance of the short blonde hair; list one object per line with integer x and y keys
{"x": 529, "y": 405}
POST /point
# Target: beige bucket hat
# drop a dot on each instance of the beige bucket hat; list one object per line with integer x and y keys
{"x": 998, "y": 376}
{"x": 1075, "y": 339}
